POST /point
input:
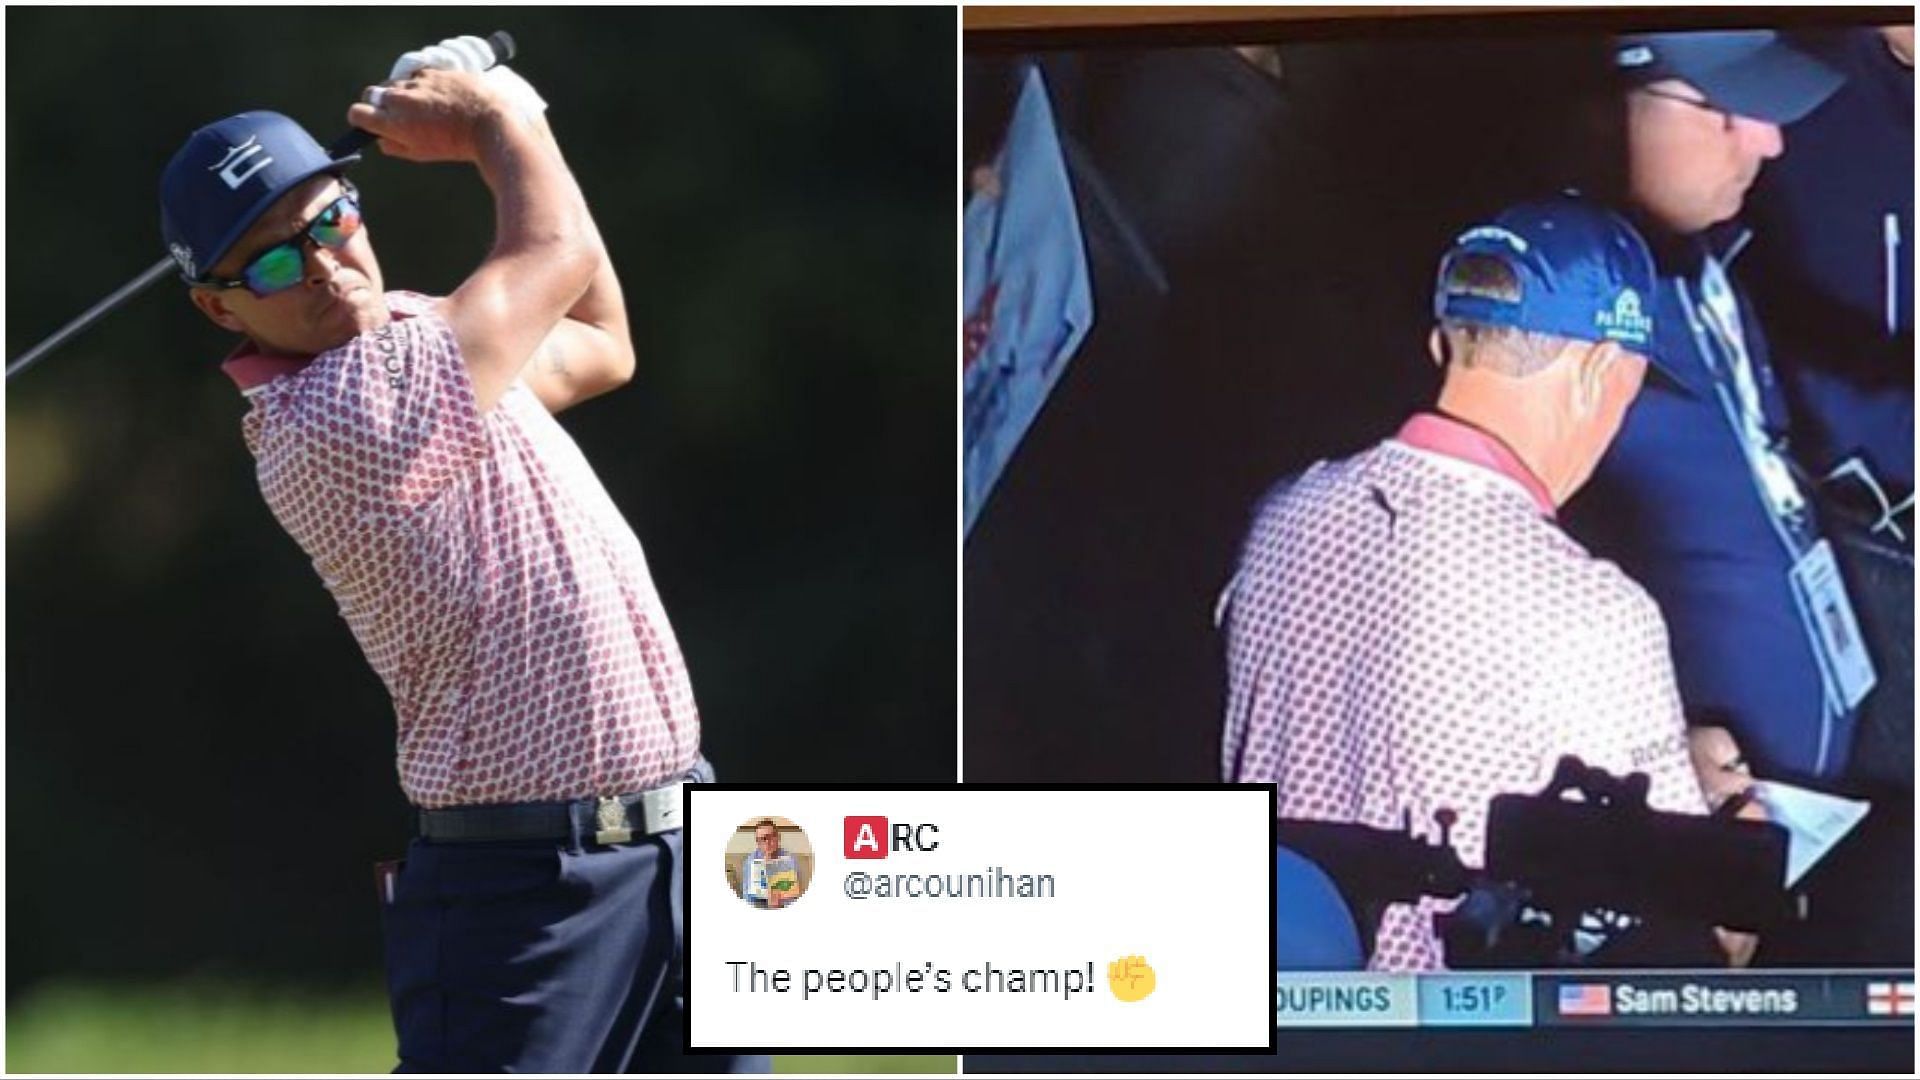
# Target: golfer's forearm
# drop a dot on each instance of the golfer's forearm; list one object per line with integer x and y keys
{"x": 601, "y": 306}
{"x": 603, "y": 310}
{"x": 578, "y": 361}
{"x": 591, "y": 351}
{"x": 540, "y": 217}
{"x": 604, "y": 338}
{"x": 545, "y": 254}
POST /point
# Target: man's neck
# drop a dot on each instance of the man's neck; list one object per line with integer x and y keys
{"x": 1475, "y": 399}
{"x": 1673, "y": 252}
{"x": 273, "y": 352}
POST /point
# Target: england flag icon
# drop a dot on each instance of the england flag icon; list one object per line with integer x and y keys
{"x": 1890, "y": 999}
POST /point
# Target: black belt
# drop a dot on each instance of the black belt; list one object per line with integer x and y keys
{"x": 613, "y": 819}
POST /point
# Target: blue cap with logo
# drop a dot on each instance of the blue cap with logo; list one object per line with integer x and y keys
{"x": 1746, "y": 72}
{"x": 226, "y": 176}
{"x": 1583, "y": 272}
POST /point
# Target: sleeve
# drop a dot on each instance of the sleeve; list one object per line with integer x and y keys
{"x": 1617, "y": 706}
{"x": 383, "y": 423}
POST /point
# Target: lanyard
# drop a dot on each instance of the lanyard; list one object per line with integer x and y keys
{"x": 1716, "y": 320}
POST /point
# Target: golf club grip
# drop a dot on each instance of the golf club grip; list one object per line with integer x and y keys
{"x": 504, "y": 49}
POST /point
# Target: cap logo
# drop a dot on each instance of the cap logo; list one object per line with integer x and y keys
{"x": 1495, "y": 233}
{"x": 250, "y": 154}
{"x": 1625, "y": 322}
{"x": 183, "y": 255}
{"x": 1633, "y": 56}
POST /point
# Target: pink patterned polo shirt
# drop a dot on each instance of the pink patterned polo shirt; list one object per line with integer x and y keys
{"x": 1409, "y": 630}
{"x": 488, "y": 577}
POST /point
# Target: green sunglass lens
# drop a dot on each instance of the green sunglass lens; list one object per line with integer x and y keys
{"x": 275, "y": 270}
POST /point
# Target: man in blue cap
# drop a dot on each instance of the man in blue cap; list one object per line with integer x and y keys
{"x": 1703, "y": 499}
{"x": 545, "y": 721}
{"x": 1409, "y": 631}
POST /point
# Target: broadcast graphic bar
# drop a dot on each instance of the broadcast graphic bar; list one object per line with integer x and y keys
{"x": 1594, "y": 999}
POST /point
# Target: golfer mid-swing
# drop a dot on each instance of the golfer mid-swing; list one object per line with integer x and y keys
{"x": 407, "y": 443}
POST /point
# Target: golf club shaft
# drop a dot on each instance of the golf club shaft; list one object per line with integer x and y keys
{"x": 92, "y": 315}
{"x": 504, "y": 50}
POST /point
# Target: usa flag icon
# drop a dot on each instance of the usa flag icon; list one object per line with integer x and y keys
{"x": 1890, "y": 999}
{"x": 1586, "y": 999}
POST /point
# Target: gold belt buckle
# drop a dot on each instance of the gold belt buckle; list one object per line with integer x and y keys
{"x": 612, "y": 819}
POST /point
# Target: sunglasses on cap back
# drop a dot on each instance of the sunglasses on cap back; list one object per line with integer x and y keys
{"x": 283, "y": 265}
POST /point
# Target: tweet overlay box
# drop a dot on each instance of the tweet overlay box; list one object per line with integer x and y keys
{"x": 982, "y": 917}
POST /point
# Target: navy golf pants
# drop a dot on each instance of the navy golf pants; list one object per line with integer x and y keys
{"x": 542, "y": 956}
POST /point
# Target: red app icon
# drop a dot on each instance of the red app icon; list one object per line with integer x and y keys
{"x": 866, "y": 838}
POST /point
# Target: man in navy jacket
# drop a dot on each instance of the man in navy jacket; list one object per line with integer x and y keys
{"x": 1705, "y": 501}
{"x": 1698, "y": 499}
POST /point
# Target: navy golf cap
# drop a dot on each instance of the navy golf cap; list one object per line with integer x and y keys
{"x": 1746, "y": 72}
{"x": 226, "y": 176}
{"x": 1584, "y": 274}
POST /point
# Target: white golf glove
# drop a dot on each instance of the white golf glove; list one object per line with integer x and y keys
{"x": 470, "y": 53}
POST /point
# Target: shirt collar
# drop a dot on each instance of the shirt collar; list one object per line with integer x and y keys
{"x": 250, "y": 369}
{"x": 1457, "y": 439}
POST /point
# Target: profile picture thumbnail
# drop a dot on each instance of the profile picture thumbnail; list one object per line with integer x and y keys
{"x": 769, "y": 862}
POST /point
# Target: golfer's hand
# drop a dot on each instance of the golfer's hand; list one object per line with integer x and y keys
{"x": 473, "y": 54}
{"x": 432, "y": 115}
{"x": 467, "y": 53}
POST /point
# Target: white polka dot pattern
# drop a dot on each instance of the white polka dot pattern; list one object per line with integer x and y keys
{"x": 1408, "y": 633}
{"x": 488, "y": 577}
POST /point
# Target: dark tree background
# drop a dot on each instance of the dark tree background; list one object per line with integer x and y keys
{"x": 199, "y": 761}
